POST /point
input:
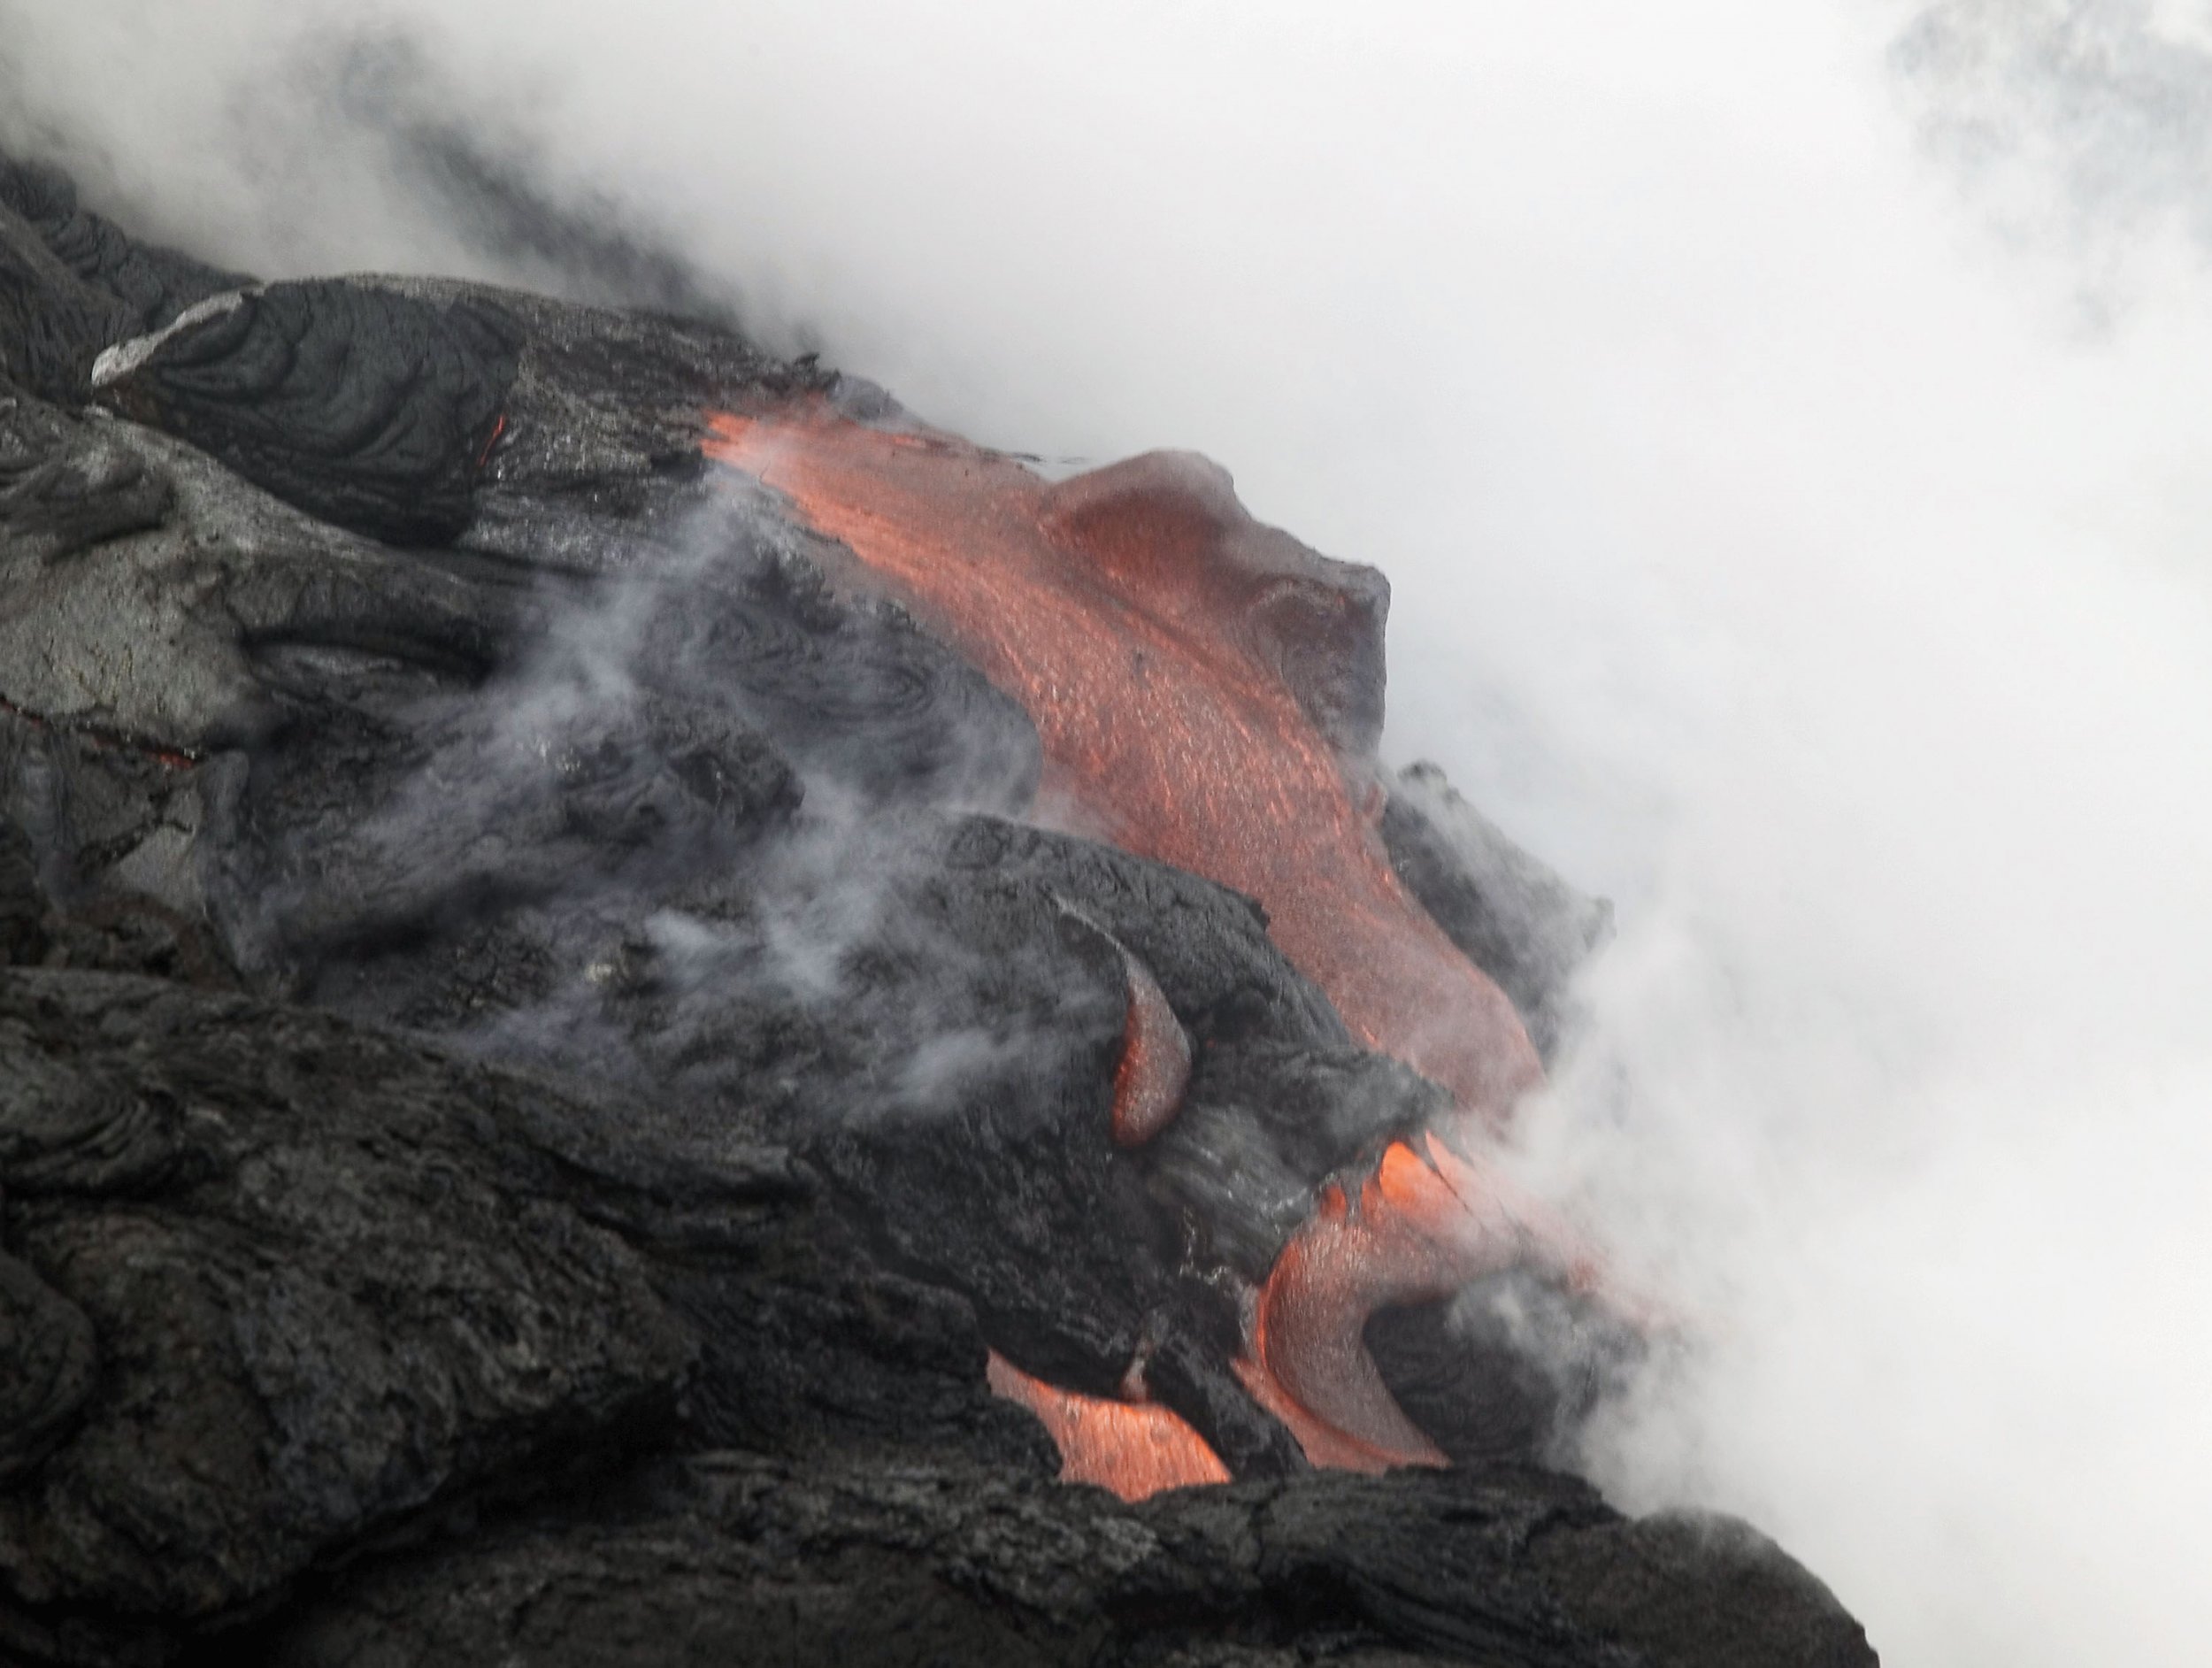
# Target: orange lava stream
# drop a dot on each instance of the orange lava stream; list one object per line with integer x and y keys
{"x": 1423, "y": 1226}
{"x": 1113, "y": 608}
{"x": 1136, "y": 1448}
{"x": 1122, "y": 609}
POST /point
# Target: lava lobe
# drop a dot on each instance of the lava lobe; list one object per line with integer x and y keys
{"x": 1136, "y": 1447}
{"x": 1155, "y": 1067}
{"x": 1208, "y": 694}
{"x": 1426, "y": 1223}
{"x": 1184, "y": 667}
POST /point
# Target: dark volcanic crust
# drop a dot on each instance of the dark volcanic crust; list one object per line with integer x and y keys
{"x": 72, "y": 283}
{"x": 538, "y": 1057}
{"x": 339, "y": 1281}
{"x": 885, "y": 1567}
{"x": 1509, "y": 915}
{"x": 410, "y": 1302}
{"x": 367, "y": 408}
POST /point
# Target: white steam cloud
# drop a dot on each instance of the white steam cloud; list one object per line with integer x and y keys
{"x": 1773, "y": 551}
{"x": 2081, "y": 124}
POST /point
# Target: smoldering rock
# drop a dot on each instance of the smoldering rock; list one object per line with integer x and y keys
{"x": 1224, "y": 978}
{"x": 992, "y": 1168}
{"x": 599, "y": 464}
{"x": 205, "y": 613}
{"x": 1508, "y": 914}
{"x": 1264, "y": 1117}
{"x": 944, "y": 1049}
{"x": 854, "y": 692}
{"x": 481, "y": 810}
{"x": 1505, "y": 1371}
{"x": 390, "y": 794}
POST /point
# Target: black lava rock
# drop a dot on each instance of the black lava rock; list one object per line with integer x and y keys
{"x": 154, "y": 284}
{"x": 539, "y": 1054}
{"x": 365, "y": 407}
{"x": 899, "y": 1567}
{"x": 1507, "y": 913}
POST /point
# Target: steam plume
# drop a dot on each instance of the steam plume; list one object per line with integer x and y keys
{"x": 1771, "y": 549}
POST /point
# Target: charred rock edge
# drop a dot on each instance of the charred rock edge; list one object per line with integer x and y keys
{"x": 1508, "y": 911}
{"x": 623, "y": 1292}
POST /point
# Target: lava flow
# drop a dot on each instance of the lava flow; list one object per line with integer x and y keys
{"x": 1155, "y": 1067}
{"x": 1184, "y": 667}
{"x": 1423, "y": 1226}
{"x": 1142, "y": 619}
{"x": 1134, "y": 1447}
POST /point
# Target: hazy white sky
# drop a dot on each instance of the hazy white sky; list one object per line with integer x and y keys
{"x": 1789, "y": 452}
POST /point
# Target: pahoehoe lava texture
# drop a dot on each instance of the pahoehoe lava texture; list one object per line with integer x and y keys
{"x": 62, "y": 491}
{"x": 71, "y": 282}
{"x": 150, "y": 284}
{"x": 542, "y": 1051}
{"x": 367, "y": 407}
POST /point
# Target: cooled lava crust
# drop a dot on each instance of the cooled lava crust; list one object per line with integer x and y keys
{"x": 625, "y": 976}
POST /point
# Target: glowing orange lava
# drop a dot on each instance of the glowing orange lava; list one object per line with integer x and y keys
{"x": 1155, "y": 1067}
{"x": 1125, "y": 610}
{"x": 1138, "y": 614}
{"x": 1421, "y": 1227}
{"x": 1136, "y": 1448}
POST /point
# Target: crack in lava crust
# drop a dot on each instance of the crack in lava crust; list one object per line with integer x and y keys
{"x": 1136, "y": 613}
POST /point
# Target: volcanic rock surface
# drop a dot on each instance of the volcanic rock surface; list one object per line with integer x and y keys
{"x": 573, "y": 1013}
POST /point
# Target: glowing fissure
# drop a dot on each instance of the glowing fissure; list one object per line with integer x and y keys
{"x": 1125, "y": 609}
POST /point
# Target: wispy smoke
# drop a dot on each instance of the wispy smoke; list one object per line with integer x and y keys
{"x": 1768, "y": 553}
{"x": 2086, "y": 123}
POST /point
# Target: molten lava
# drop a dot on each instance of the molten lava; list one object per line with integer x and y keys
{"x": 1182, "y": 665}
{"x": 1136, "y": 1448}
{"x": 1423, "y": 1226}
{"x": 1135, "y": 612}
{"x": 1155, "y": 1067}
